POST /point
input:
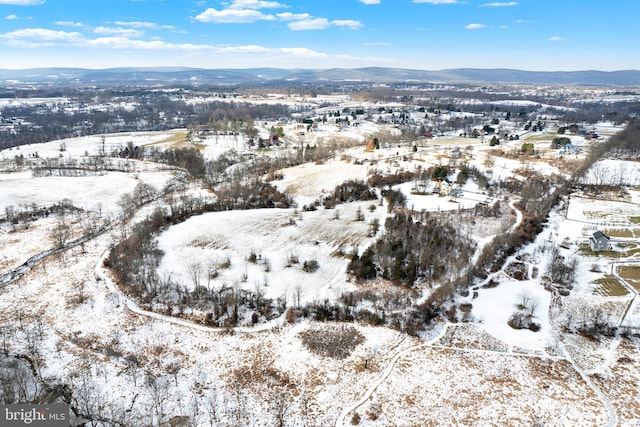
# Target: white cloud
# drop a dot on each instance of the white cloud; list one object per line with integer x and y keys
{"x": 22, "y": 2}
{"x": 474, "y": 26}
{"x": 377, "y": 44}
{"x": 500, "y": 4}
{"x": 321, "y": 24}
{"x": 354, "y": 25}
{"x": 125, "y": 43}
{"x": 370, "y": 1}
{"x": 246, "y": 12}
{"x": 556, "y": 39}
{"x": 302, "y": 52}
{"x": 146, "y": 25}
{"x": 89, "y": 51}
{"x": 436, "y": 1}
{"x": 288, "y": 16}
{"x": 136, "y": 24}
{"x": 256, "y": 4}
{"x": 41, "y": 34}
{"x": 309, "y": 24}
{"x": 232, "y": 16}
{"x": 241, "y": 49}
{"x": 11, "y": 17}
{"x": 40, "y": 37}
{"x": 118, "y": 31}
{"x": 70, "y": 24}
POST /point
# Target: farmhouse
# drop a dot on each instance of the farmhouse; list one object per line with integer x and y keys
{"x": 599, "y": 242}
{"x": 443, "y": 186}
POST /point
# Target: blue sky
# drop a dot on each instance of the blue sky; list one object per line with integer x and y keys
{"x": 419, "y": 34}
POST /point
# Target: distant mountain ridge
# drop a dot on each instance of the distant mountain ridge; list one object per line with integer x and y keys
{"x": 184, "y": 75}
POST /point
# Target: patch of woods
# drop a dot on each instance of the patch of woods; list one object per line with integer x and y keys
{"x": 594, "y": 112}
{"x": 387, "y": 180}
{"x": 188, "y": 159}
{"x": 254, "y": 195}
{"x": 593, "y": 319}
{"x": 25, "y": 214}
{"x": 415, "y": 247}
{"x": 349, "y": 191}
{"x": 78, "y": 167}
{"x": 625, "y": 144}
{"x": 424, "y": 249}
{"x": 538, "y": 195}
{"x": 395, "y": 307}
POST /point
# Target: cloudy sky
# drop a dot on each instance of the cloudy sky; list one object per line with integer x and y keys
{"x": 419, "y": 34}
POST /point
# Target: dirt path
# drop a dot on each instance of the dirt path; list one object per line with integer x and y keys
{"x": 16, "y": 273}
{"x": 103, "y": 276}
{"x": 385, "y": 374}
{"x": 613, "y": 416}
{"x": 343, "y": 421}
{"x": 635, "y": 302}
{"x": 512, "y": 205}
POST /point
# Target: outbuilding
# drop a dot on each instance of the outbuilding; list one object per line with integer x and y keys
{"x": 600, "y": 242}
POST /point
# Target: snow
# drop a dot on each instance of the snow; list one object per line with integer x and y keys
{"x": 614, "y": 172}
{"x": 14, "y": 102}
{"x": 84, "y": 191}
{"x": 469, "y": 197}
{"x": 76, "y": 147}
{"x": 597, "y": 213}
{"x": 204, "y": 242}
{"x": 308, "y": 181}
{"x": 494, "y": 306}
{"x": 497, "y": 376}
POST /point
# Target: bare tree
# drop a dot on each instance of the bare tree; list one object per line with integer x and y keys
{"x": 158, "y": 391}
{"x": 281, "y": 405}
{"x": 195, "y": 272}
{"x": 7, "y": 336}
{"x": 11, "y": 214}
{"x": 17, "y": 382}
{"x": 127, "y": 204}
{"x": 522, "y": 317}
{"x": 599, "y": 174}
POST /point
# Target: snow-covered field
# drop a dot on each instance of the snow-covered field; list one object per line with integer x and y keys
{"x": 480, "y": 372}
{"x": 275, "y": 237}
{"x": 92, "y": 145}
{"x": 85, "y": 192}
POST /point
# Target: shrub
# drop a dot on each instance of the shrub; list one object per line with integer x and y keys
{"x": 559, "y": 141}
{"x": 527, "y": 148}
{"x": 290, "y": 315}
{"x": 310, "y": 266}
{"x": 335, "y": 341}
{"x": 355, "y": 419}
